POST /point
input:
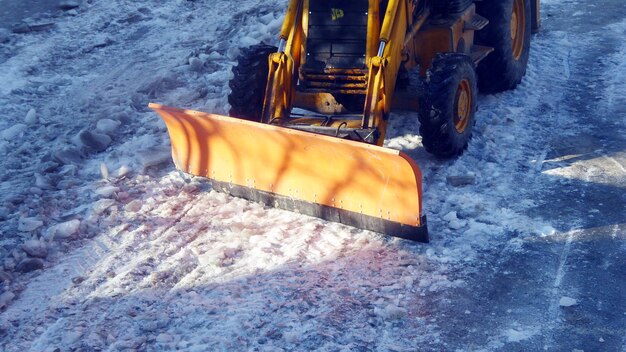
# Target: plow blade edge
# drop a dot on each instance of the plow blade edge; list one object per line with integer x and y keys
{"x": 353, "y": 183}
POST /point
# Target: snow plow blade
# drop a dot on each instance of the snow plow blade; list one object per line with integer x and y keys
{"x": 353, "y": 183}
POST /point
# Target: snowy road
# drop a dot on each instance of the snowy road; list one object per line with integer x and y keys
{"x": 529, "y": 257}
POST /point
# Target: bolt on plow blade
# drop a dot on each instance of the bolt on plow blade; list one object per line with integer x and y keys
{"x": 353, "y": 183}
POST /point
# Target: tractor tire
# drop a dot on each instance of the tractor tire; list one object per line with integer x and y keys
{"x": 249, "y": 82}
{"x": 448, "y": 107}
{"x": 508, "y": 32}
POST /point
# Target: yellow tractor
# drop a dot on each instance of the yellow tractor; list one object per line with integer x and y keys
{"x": 308, "y": 117}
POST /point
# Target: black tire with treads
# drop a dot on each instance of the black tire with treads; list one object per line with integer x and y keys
{"x": 249, "y": 82}
{"x": 500, "y": 70}
{"x": 439, "y": 105}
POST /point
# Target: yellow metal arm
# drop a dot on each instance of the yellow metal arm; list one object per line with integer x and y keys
{"x": 390, "y": 21}
{"x": 290, "y": 18}
{"x": 284, "y": 65}
{"x": 383, "y": 69}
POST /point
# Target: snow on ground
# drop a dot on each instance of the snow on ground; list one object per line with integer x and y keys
{"x": 105, "y": 246}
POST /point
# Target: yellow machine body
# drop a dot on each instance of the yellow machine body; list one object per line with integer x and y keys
{"x": 327, "y": 162}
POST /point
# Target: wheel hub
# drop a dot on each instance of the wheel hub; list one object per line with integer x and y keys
{"x": 463, "y": 102}
{"x": 518, "y": 28}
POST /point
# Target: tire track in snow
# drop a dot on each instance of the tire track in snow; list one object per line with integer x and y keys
{"x": 55, "y": 326}
{"x": 554, "y": 306}
{"x": 143, "y": 238}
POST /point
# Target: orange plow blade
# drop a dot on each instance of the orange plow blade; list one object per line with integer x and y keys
{"x": 353, "y": 183}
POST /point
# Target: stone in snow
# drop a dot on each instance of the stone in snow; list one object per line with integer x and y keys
{"x": 26, "y": 27}
{"x": 29, "y": 224}
{"x": 68, "y": 5}
{"x": 453, "y": 221}
{"x": 460, "y": 181}
{"x": 107, "y": 126}
{"x": 29, "y": 264}
{"x": 102, "y": 205}
{"x": 4, "y": 276}
{"x": 21, "y": 28}
{"x": 94, "y": 140}
{"x": 4, "y": 213}
{"x": 43, "y": 182}
{"x": 35, "y": 248}
{"x": 6, "y": 298}
{"x": 123, "y": 171}
{"x": 47, "y": 166}
{"x": 196, "y": 64}
{"x": 104, "y": 171}
{"x": 390, "y": 312}
{"x": 133, "y": 206}
{"x": 68, "y": 156}
{"x": 38, "y": 27}
{"x": 13, "y": 132}
{"x": 78, "y": 280}
{"x": 63, "y": 230}
{"x": 31, "y": 117}
{"x": 107, "y": 191}
{"x": 5, "y": 36}
{"x": 394, "y": 312}
{"x": 567, "y": 302}
{"x": 154, "y": 156}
